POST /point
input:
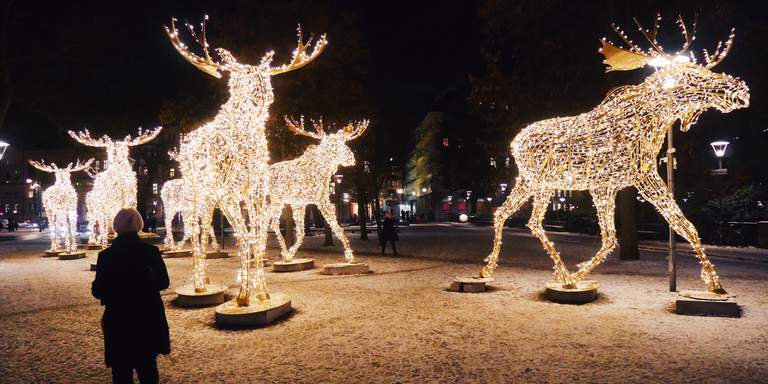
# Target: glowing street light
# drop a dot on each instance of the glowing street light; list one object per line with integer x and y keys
{"x": 719, "y": 148}
{"x": 3, "y": 147}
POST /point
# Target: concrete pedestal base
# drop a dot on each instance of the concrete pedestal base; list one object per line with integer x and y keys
{"x": 71, "y": 255}
{"x": 345, "y": 269}
{"x": 217, "y": 255}
{"x": 293, "y": 265}
{"x": 51, "y": 253}
{"x": 255, "y": 315}
{"x": 585, "y": 292}
{"x": 177, "y": 253}
{"x": 470, "y": 284}
{"x": 706, "y": 303}
{"x": 187, "y": 297}
{"x": 93, "y": 267}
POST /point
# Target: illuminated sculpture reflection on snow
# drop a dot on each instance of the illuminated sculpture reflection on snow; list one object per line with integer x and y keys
{"x": 304, "y": 180}
{"x": 60, "y": 203}
{"x": 115, "y": 187}
{"x": 616, "y": 145}
{"x": 225, "y": 162}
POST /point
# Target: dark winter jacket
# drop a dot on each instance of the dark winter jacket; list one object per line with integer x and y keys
{"x": 388, "y": 231}
{"x": 129, "y": 277}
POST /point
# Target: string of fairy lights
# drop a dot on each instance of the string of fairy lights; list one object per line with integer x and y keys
{"x": 60, "y": 203}
{"x": 616, "y": 145}
{"x": 304, "y": 180}
{"x": 174, "y": 202}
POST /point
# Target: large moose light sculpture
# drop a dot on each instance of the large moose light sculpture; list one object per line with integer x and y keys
{"x": 304, "y": 180}
{"x": 616, "y": 145}
{"x": 115, "y": 187}
{"x": 60, "y": 203}
{"x": 225, "y": 162}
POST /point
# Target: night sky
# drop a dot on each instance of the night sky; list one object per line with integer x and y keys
{"x": 110, "y": 67}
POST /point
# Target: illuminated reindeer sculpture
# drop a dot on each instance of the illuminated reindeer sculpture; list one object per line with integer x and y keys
{"x": 304, "y": 180}
{"x": 174, "y": 202}
{"x": 60, "y": 203}
{"x": 616, "y": 145}
{"x": 225, "y": 162}
{"x": 115, "y": 187}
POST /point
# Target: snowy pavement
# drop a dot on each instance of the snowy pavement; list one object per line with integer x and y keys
{"x": 399, "y": 324}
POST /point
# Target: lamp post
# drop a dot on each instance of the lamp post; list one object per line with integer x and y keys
{"x": 719, "y": 148}
{"x": 3, "y": 147}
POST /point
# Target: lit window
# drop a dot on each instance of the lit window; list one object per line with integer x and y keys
{"x": 493, "y": 162}
{"x": 30, "y": 194}
{"x": 445, "y": 142}
{"x": 173, "y": 172}
{"x": 154, "y": 188}
{"x": 146, "y": 170}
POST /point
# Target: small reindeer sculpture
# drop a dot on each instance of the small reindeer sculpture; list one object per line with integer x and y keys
{"x": 225, "y": 162}
{"x": 616, "y": 145}
{"x": 60, "y": 203}
{"x": 304, "y": 180}
{"x": 174, "y": 202}
{"x": 115, "y": 187}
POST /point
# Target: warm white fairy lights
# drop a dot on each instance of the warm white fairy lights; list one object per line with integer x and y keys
{"x": 172, "y": 195}
{"x": 115, "y": 187}
{"x": 225, "y": 162}
{"x": 304, "y": 180}
{"x": 616, "y": 145}
{"x": 60, "y": 203}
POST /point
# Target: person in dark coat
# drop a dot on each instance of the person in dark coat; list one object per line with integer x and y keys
{"x": 129, "y": 277}
{"x": 389, "y": 233}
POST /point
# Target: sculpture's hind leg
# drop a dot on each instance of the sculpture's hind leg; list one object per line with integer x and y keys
{"x": 298, "y": 220}
{"x": 275, "y": 224}
{"x": 519, "y": 195}
{"x": 540, "y": 203}
{"x": 329, "y": 213}
{"x": 605, "y": 203}
{"x": 653, "y": 189}
{"x": 169, "y": 242}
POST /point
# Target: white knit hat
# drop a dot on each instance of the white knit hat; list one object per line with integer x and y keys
{"x": 127, "y": 220}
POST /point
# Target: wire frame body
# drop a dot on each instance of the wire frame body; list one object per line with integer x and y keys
{"x": 613, "y": 146}
{"x": 303, "y": 181}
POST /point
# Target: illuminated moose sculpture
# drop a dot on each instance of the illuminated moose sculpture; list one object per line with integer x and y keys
{"x": 174, "y": 202}
{"x": 304, "y": 180}
{"x": 60, "y": 202}
{"x": 115, "y": 187}
{"x": 225, "y": 162}
{"x": 616, "y": 145}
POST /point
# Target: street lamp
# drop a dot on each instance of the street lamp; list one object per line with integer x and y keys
{"x": 719, "y": 147}
{"x": 3, "y": 147}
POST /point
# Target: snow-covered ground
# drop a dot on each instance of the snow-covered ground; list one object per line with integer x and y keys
{"x": 399, "y": 324}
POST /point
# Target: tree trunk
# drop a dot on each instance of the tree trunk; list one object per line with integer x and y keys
{"x": 290, "y": 227}
{"x": 628, "y": 224}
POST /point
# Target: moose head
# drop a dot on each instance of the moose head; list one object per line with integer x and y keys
{"x": 117, "y": 151}
{"x": 62, "y": 174}
{"x": 246, "y": 82}
{"x": 333, "y": 147}
{"x": 685, "y": 86}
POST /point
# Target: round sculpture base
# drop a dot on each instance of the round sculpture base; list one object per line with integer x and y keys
{"x": 177, "y": 253}
{"x": 90, "y": 246}
{"x": 470, "y": 284}
{"x": 93, "y": 267}
{"x": 52, "y": 253}
{"x": 217, "y": 255}
{"x": 345, "y": 269}
{"x": 257, "y": 314}
{"x": 151, "y": 238}
{"x": 71, "y": 255}
{"x": 294, "y": 265}
{"x": 706, "y": 303}
{"x": 585, "y": 292}
{"x": 187, "y": 297}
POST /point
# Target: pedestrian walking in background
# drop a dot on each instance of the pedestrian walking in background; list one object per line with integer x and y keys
{"x": 389, "y": 234}
{"x": 129, "y": 277}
